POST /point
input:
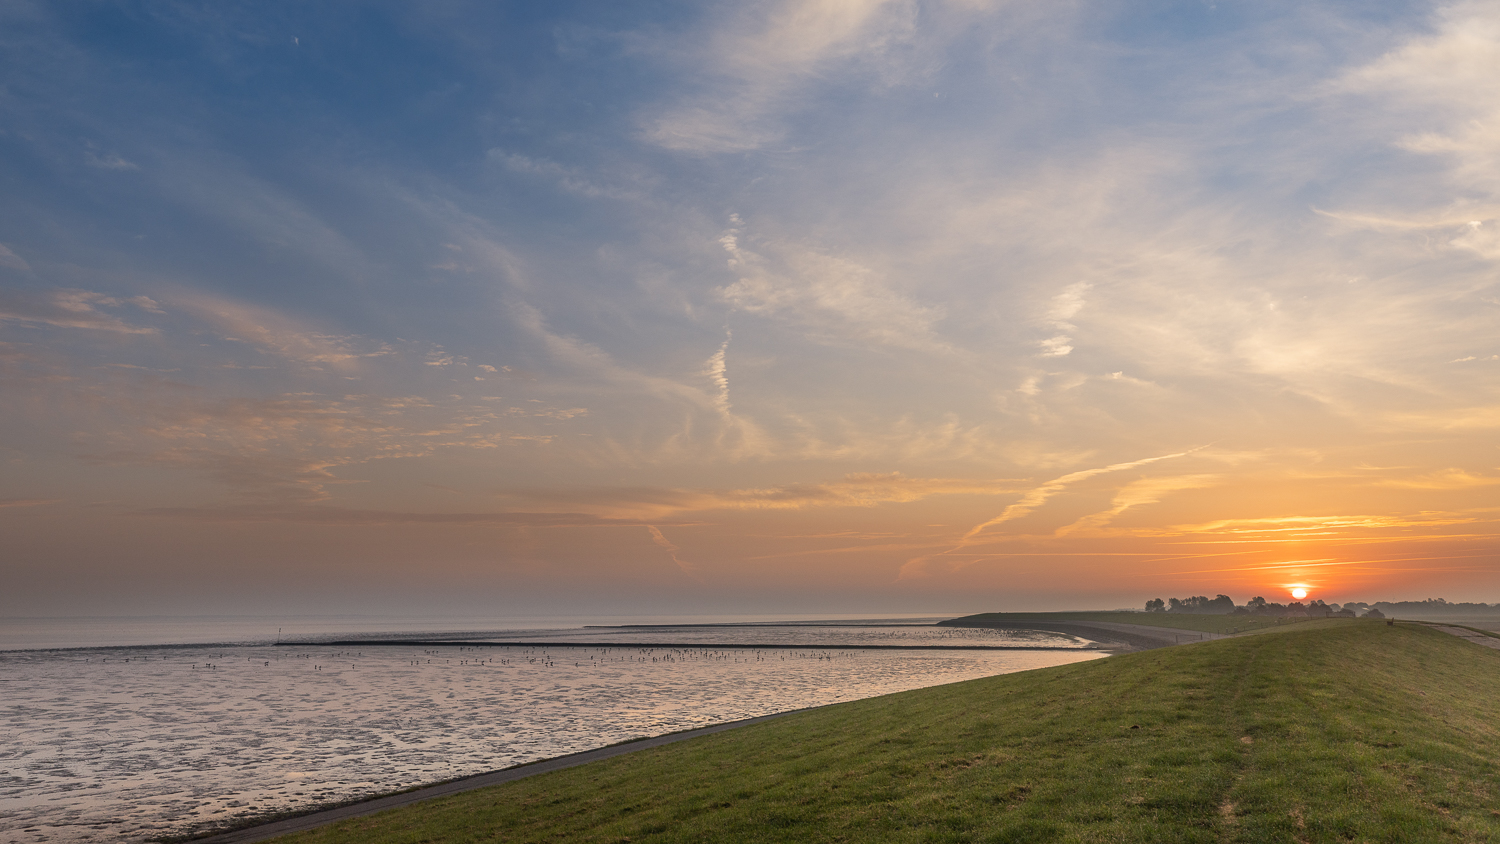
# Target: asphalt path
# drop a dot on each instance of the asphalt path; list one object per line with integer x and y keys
{"x": 1473, "y": 636}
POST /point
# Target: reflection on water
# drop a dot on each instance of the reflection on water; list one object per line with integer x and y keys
{"x": 127, "y": 744}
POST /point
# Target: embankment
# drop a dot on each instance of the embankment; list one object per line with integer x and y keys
{"x": 1322, "y": 731}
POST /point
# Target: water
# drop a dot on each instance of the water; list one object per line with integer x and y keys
{"x": 23, "y": 633}
{"x": 131, "y": 743}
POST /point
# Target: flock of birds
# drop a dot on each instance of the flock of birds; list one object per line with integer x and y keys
{"x": 599, "y": 656}
{"x": 542, "y": 656}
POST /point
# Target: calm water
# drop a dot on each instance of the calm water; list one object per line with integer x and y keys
{"x": 126, "y": 744}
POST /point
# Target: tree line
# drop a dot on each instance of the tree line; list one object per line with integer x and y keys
{"x": 1225, "y": 605}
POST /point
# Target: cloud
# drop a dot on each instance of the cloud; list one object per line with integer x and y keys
{"x": 1067, "y": 304}
{"x": 1064, "y": 307}
{"x": 570, "y": 179}
{"x": 12, "y": 260}
{"x": 109, "y": 161}
{"x": 860, "y": 489}
{"x": 1444, "y": 79}
{"x": 290, "y": 448}
{"x": 733, "y": 437}
{"x": 1443, "y": 419}
{"x": 1039, "y": 496}
{"x": 363, "y": 518}
{"x": 754, "y": 65}
{"x": 1445, "y": 479}
{"x": 1136, "y": 494}
{"x": 146, "y": 303}
{"x": 835, "y": 299}
{"x": 1058, "y": 346}
{"x": 718, "y": 373}
{"x": 67, "y": 309}
{"x": 1306, "y": 527}
{"x": 1030, "y": 501}
{"x": 27, "y": 502}
{"x": 275, "y": 332}
{"x": 689, "y": 569}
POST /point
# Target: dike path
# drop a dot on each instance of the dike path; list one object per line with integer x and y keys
{"x": 1472, "y": 636}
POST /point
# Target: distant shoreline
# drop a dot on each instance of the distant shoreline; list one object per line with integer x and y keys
{"x": 431, "y": 643}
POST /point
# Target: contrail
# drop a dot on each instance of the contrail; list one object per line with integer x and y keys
{"x": 1034, "y": 499}
{"x": 687, "y": 568}
{"x": 718, "y": 372}
{"x": 1029, "y": 502}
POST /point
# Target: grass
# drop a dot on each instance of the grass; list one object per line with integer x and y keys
{"x": 1176, "y": 621}
{"x": 1324, "y": 731}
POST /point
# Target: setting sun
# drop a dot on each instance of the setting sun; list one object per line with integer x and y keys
{"x": 1299, "y": 593}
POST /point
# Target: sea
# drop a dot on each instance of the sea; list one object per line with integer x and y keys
{"x": 129, "y": 730}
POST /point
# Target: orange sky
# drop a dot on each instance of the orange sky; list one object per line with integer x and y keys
{"x": 860, "y": 306}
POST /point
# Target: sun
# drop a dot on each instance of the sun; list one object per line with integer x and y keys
{"x": 1299, "y": 593}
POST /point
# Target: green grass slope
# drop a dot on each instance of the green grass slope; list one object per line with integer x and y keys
{"x": 1174, "y": 620}
{"x": 1327, "y": 731}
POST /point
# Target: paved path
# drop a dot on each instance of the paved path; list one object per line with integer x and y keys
{"x": 370, "y": 807}
{"x": 1166, "y": 634}
{"x": 1472, "y": 636}
{"x": 1135, "y": 636}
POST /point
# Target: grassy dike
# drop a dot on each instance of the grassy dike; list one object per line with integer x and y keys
{"x": 1178, "y": 621}
{"x": 1329, "y": 731}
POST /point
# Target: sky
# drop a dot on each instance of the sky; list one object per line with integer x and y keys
{"x": 758, "y": 307}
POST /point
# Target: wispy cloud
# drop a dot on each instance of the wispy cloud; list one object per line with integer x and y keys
{"x": 756, "y": 61}
{"x": 718, "y": 373}
{"x": 1137, "y": 494}
{"x": 1038, "y": 496}
{"x": 291, "y": 448}
{"x": 108, "y": 161}
{"x": 275, "y": 332}
{"x": 12, "y": 260}
{"x": 836, "y": 299}
{"x": 68, "y": 309}
{"x": 1302, "y": 526}
{"x": 730, "y": 437}
{"x": 1451, "y": 478}
{"x": 28, "y": 502}
{"x": 1065, "y": 306}
{"x": 1030, "y": 501}
{"x": 323, "y": 515}
{"x": 1443, "y": 76}
{"x": 688, "y": 569}
{"x": 853, "y": 490}
{"x": 572, "y": 179}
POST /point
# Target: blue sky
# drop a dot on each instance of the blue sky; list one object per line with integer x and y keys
{"x": 749, "y": 307}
